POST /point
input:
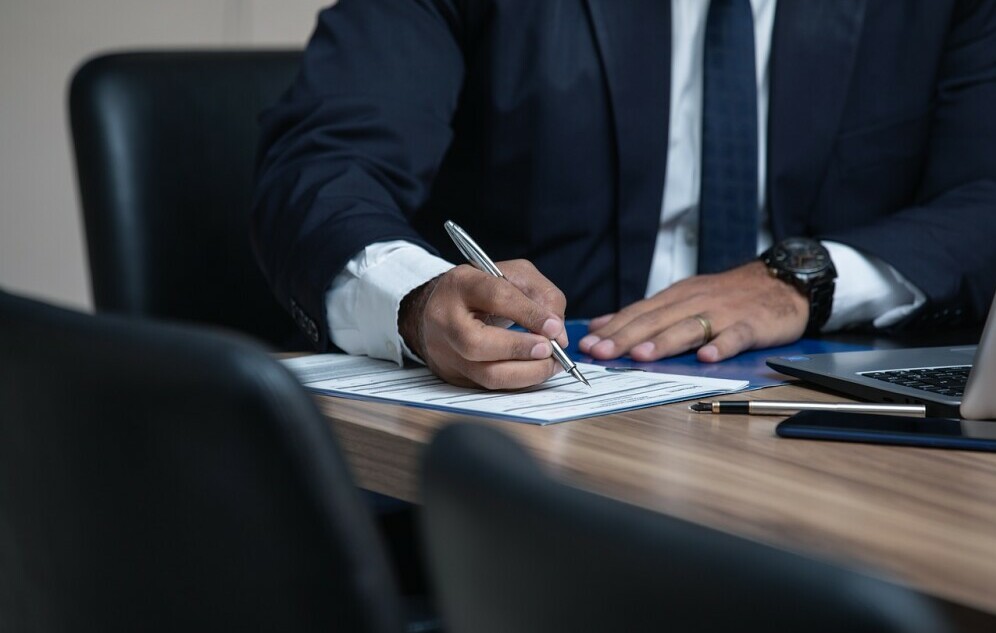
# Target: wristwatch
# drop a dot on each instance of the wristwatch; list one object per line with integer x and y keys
{"x": 805, "y": 264}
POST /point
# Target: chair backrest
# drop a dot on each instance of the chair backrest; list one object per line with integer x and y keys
{"x": 513, "y": 550}
{"x": 153, "y": 478}
{"x": 165, "y": 148}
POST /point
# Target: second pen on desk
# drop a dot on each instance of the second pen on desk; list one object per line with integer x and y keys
{"x": 476, "y": 256}
{"x": 777, "y": 407}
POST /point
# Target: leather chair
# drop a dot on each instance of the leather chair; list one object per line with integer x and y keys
{"x": 165, "y": 146}
{"x": 156, "y": 478}
{"x": 513, "y": 550}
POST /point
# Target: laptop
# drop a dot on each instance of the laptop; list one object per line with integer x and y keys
{"x": 953, "y": 382}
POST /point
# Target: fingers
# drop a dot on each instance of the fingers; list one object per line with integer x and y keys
{"x": 599, "y": 322}
{"x": 684, "y": 335}
{"x": 540, "y": 290}
{"x": 511, "y": 374}
{"x": 621, "y": 335}
{"x": 474, "y": 340}
{"x": 609, "y": 326}
{"x": 737, "y": 338}
{"x": 495, "y": 296}
{"x": 534, "y": 285}
{"x": 463, "y": 349}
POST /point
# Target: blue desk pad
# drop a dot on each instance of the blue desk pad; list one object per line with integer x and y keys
{"x": 746, "y": 366}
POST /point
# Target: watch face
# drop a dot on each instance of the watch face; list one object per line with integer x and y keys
{"x": 800, "y": 255}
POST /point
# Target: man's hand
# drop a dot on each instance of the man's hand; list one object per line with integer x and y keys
{"x": 746, "y": 308}
{"x": 447, "y": 322}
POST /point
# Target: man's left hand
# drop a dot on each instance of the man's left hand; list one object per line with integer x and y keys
{"x": 745, "y": 308}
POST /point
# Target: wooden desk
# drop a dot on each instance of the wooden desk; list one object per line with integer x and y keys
{"x": 927, "y": 517}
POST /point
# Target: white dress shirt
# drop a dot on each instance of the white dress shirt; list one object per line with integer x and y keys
{"x": 364, "y": 299}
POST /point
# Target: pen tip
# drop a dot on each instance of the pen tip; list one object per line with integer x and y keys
{"x": 580, "y": 377}
{"x": 700, "y": 406}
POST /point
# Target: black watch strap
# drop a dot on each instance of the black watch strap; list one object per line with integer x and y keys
{"x": 805, "y": 264}
{"x": 820, "y": 305}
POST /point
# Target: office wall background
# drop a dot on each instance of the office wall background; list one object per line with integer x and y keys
{"x": 42, "y": 249}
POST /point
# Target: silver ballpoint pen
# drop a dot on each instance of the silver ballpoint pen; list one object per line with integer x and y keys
{"x": 476, "y": 256}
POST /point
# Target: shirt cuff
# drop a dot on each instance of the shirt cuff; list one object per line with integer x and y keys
{"x": 868, "y": 290}
{"x": 363, "y": 301}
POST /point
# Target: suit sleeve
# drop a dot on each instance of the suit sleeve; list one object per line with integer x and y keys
{"x": 945, "y": 245}
{"x": 350, "y": 151}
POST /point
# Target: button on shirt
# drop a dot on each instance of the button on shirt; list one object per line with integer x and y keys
{"x": 364, "y": 299}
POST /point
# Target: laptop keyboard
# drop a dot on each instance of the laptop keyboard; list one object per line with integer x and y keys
{"x": 946, "y": 381}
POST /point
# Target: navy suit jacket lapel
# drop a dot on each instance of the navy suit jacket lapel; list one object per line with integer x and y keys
{"x": 634, "y": 40}
{"x": 813, "y": 51}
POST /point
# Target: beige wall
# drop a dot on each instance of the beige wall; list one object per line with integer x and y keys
{"x": 41, "y": 43}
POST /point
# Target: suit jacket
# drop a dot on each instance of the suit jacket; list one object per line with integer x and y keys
{"x": 541, "y": 127}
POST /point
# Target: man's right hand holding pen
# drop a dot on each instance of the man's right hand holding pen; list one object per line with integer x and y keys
{"x": 446, "y": 322}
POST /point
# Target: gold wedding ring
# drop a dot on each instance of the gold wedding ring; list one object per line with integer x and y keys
{"x": 706, "y": 327}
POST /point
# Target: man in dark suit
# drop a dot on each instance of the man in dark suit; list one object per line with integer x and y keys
{"x": 640, "y": 153}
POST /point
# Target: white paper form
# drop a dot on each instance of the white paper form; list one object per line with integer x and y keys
{"x": 558, "y": 399}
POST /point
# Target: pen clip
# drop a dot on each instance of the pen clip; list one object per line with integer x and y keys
{"x": 469, "y": 249}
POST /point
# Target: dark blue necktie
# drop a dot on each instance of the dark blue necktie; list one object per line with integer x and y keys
{"x": 728, "y": 212}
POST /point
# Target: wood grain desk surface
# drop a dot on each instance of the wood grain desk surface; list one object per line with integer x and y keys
{"x": 926, "y": 517}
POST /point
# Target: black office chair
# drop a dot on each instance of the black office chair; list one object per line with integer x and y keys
{"x": 155, "y": 478}
{"x": 165, "y": 147}
{"x": 513, "y": 550}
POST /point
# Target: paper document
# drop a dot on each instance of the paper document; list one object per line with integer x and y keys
{"x": 556, "y": 400}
